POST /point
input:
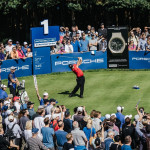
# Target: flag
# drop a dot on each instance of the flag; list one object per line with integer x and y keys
{"x": 35, "y": 82}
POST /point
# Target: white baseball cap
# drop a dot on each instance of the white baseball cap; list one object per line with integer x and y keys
{"x": 12, "y": 68}
{"x": 119, "y": 108}
{"x": 10, "y": 117}
{"x": 55, "y": 115}
{"x": 4, "y": 86}
{"x": 9, "y": 112}
{"x": 128, "y": 116}
{"x": 113, "y": 114}
{"x": 25, "y": 43}
{"x": 107, "y": 116}
{"x": 45, "y": 94}
{"x": 80, "y": 109}
{"x": 136, "y": 117}
{"x": 6, "y": 102}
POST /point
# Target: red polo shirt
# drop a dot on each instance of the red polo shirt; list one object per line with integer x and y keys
{"x": 77, "y": 71}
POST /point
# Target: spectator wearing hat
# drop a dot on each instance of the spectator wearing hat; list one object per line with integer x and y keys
{"x": 4, "y": 144}
{"x": 48, "y": 134}
{"x": 60, "y": 135}
{"x": 23, "y": 119}
{"x": 78, "y": 31}
{"x": 21, "y": 54}
{"x": 17, "y": 43}
{"x": 39, "y": 122}
{"x": 84, "y": 44}
{"x": 93, "y": 43}
{"x": 75, "y": 44}
{"x": 68, "y": 145}
{"x": 102, "y": 45}
{"x": 28, "y": 130}
{"x": 127, "y": 144}
{"x": 45, "y": 96}
{"x": 25, "y": 47}
{"x": 78, "y": 37}
{"x": 67, "y": 122}
{"x": 109, "y": 140}
{"x": 12, "y": 81}
{"x": 120, "y": 116}
{"x": 61, "y": 51}
{"x": 3, "y": 94}
{"x": 67, "y": 36}
{"x": 79, "y": 137}
{"x": 24, "y": 106}
{"x": 30, "y": 109}
{"x": 14, "y": 53}
{"x": 9, "y": 46}
{"x": 117, "y": 144}
{"x": 34, "y": 142}
{"x": 37, "y": 112}
{"x": 2, "y": 55}
{"x": 113, "y": 120}
{"x": 69, "y": 47}
{"x": 17, "y": 103}
{"x": 53, "y": 102}
{"x": 102, "y": 30}
{"x": 16, "y": 130}
{"x": 96, "y": 120}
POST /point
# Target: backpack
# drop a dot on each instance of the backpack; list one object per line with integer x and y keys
{"x": 147, "y": 142}
{"x": 9, "y": 134}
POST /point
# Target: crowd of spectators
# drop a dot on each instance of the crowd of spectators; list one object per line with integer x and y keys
{"x": 51, "y": 126}
{"x": 75, "y": 40}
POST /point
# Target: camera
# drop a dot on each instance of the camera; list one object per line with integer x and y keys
{"x": 21, "y": 86}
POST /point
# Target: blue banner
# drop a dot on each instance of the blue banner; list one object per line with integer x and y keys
{"x": 139, "y": 60}
{"x": 60, "y": 62}
{"x": 23, "y": 67}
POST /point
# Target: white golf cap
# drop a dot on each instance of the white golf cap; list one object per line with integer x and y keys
{"x": 80, "y": 109}
{"x": 25, "y": 43}
{"x": 107, "y": 116}
{"x": 136, "y": 117}
{"x": 4, "y": 86}
{"x": 119, "y": 108}
{"x": 10, "y": 117}
{"x": 128, "y": 116}
{"x": 55, "y": 116}
{"x": 12, "y": 68}
{"x": 113, "y": 114}
{"x": 45, "y": 94}
{"x": 10, "y": 40}
{"x": 9, "y": 112}
{"x": 6, "y": 102}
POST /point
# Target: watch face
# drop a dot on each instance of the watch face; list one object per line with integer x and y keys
{"x": 116, "y": 44}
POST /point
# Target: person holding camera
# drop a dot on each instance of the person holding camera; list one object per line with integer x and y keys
{"x": 12, "y": 81}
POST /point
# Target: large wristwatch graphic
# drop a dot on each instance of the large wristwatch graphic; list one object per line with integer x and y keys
{"x": 117, "y": 43}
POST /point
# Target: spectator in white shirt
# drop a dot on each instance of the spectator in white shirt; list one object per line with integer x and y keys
{"x": 68, "y": 47}
{"x": 9, "y": 46}
{"x": 17, "y": 103}
{"x": 28, "y": 130}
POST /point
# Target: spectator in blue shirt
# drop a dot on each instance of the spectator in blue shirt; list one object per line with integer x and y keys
{"x": 109, "y": 140}
{"x": 2, "y": 56}
{"x": 75, "y": 45}
{"x": 61, "y": 135}
{"x": 88, "y": 37}
{"x": 25, "y": 47}
{"x": 127, "y": 144}
{"x": 120, "y": 116}
{"x": 3, "y": 94}
{"x": 142, "y": 43}
{"x": 48, "y": 134}
{"x": 84, "y": 44}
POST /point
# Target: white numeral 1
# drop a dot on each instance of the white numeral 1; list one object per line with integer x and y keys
{"x": 45, "y": 23}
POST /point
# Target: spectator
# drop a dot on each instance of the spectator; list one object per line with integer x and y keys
{"x": 59, "y": 45}
{"x": 99, "y": 145}
{"x": 68, "y": 145}
{"x": 127, "y": 144}
{"x": 4, "y": 143}
{"x": 31, "y": 109}
{"x": 34, "y": 142}
{"x": 17, "y": 103}
{"x": 102, "y": 30}
{"x": 78, "y": 31}
{"x": 16, "y": 130}
{"x": 29, "y": 53}
{"x": 133, "y": 38}
{"x": 28, "y": 130}
{"x": 75, "y": 44}
{"x": 78, "y": 38}
{"x": 117, "y": 144}
{"x": 79, "y": 137}
{"x": 17, "y": 43}
{"x": 109, "y": 140}
{"x": 60, "y": 135}
{"x": 93, "y": 43}
{"x": 88, "y": 37}
{"x": 68, "y": 47}
{"x": 3, "y": 94}
{"x": 103, "y": 45}
{"x": 14, "y": 53}
{"x": 88, "y": 29}
{"x": 84, "y": 44}
{"x": 24, "y": 48}
{"x": 55, "y": 121}
{"x": 131, "y": 46}
{"x": 24, "y": 119}
{"x": 142, "y": 43}
{"x": 2, "y": 56}
{"x": 24, "y": 106}
{"x": 67, "y": 30}
{"x": 48, "y": 134}
{"x": 113, "y": 119}
{"x": 146, "y": 31}
{"x": 67, "y": 122}
{"x": 147, "y": 45}
{"x": 20, "y": 52}
{"x": 137, "y": 31}
{"x": 120, "y": 116}
{"x": 53, "y": 102}
{"x": 37, "y": 112}
{"x": 96, "y": 120}
{"x": 53, "y": 50}
{"x": 9, "y": 46}
{"x": 62, "y": 50}
{"x": 67, "y": 36}
{"x": 73, "y": 33}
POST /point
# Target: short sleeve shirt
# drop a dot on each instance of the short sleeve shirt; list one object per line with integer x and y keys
{"x": 77, "y": 71}
{"x": 93, "y": 41}
{"x": 3, "y": 94}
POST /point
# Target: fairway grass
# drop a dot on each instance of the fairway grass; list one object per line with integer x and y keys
{"x": 104, "y": 89}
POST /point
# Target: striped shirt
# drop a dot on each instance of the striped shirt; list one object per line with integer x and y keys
{"x": 35, "y": 144}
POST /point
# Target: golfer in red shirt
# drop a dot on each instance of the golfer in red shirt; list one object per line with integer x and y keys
{"x": 80, "y": 78}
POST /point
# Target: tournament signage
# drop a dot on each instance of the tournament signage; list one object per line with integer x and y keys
{"x": 117, "y": 50}
{"x": 42, "y": 38}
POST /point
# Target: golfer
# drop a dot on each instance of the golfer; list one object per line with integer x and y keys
{"x": 80, "y": 77}
{"x": 12, "y": 81}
